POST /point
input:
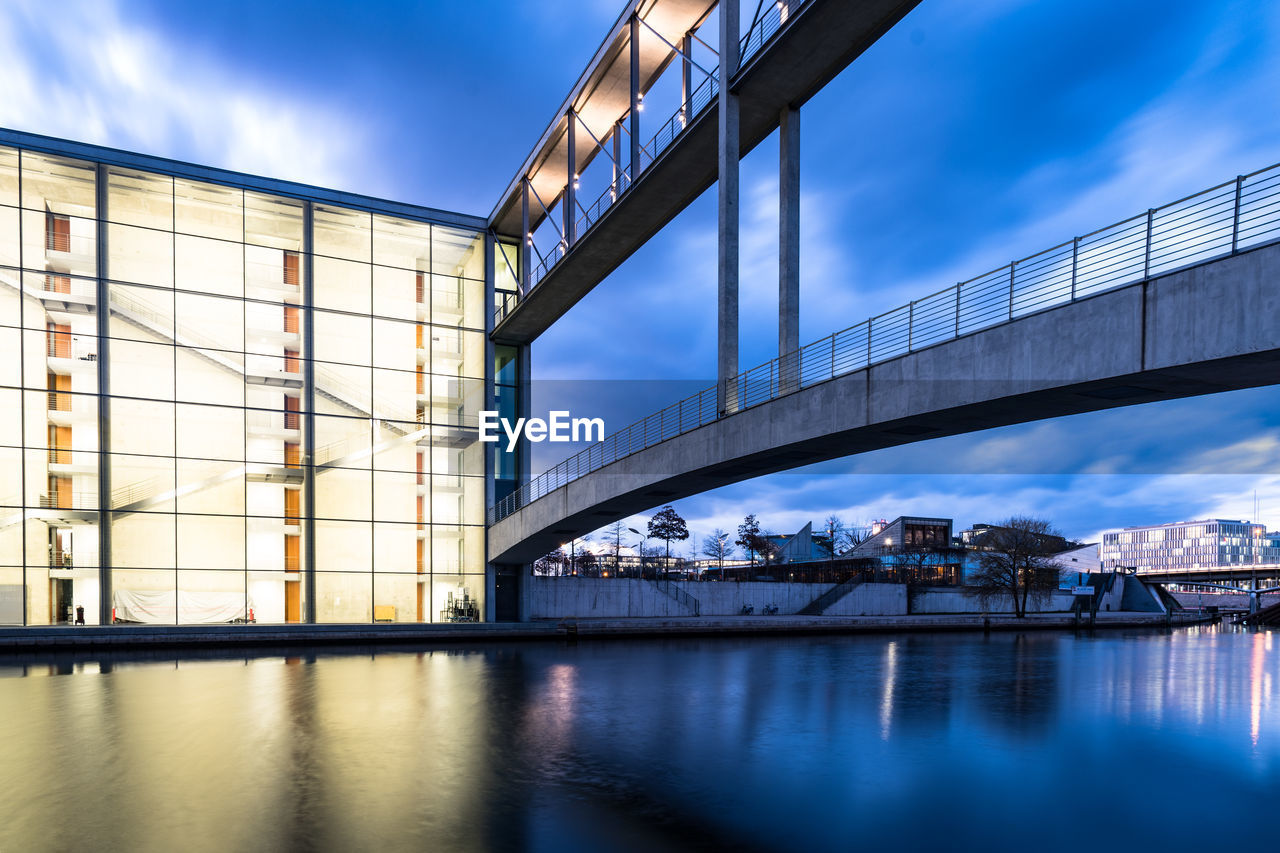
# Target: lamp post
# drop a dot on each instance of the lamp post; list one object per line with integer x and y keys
{"x": 644, "y": 537}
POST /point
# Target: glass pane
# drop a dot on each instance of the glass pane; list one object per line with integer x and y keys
{"x": 142, "y": 596}
{"x": 344, "y": 597}
{"x": 457, "y": 252}
{"x": 140, "y": 255}
{"x": 209, "y": 210}
{"x": 342, "y": 233}
{"x": 211, "y": 542}
{"x": 212, "y": 597}
{"x": 342, "y": 285}
{"x": 139, "y": 198}
{"x": 272, "y": 221}
{"x": 398, "y": 598}
{"x": 58, "y": 184}
{"x": 209, "y": 266}
{"x": 401, "y": 243}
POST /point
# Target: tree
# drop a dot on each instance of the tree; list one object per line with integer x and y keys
{"x": 833, "y": 542}
{"x": 667, "y": 525}
{"x": 573, "y": 552}
{"x": 613, "y": 535}
{"x": 749, "y": 536}
{"x": 551, "y": 564}
{"x": 1016, "y": 561}
{"x": 717, "y": 547}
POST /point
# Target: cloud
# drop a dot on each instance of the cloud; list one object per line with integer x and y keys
{"x": 87, "y": 72}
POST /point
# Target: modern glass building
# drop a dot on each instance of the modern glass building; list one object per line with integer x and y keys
{"x": 227, "y": 398}
{"x": 1189, "y": 545}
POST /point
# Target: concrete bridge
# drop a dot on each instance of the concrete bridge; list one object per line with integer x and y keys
{"x": 1204, "y": 328}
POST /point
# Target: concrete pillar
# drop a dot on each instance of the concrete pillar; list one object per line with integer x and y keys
{"x": 634, "y": 117}
{"x": 789, "y": 249}
{"x": 570, "y": 194}
{"x": 686, "y": 77}
{"x": 103, "y": 319}
{"x": 617, "y": 159}
{"x": 727, "y": 254}
{"x": 524, "y": 236}
{"x": 490, "y": 403}
{"x": 308, "y": 579}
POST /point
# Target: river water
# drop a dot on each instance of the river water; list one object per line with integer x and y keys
{"x": 1045, "y": 741}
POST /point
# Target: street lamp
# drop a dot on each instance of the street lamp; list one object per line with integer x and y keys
{"x": 644, "y": 539}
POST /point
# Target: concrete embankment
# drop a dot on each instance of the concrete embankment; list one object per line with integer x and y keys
{"x": 285, "y": 637}
{"x": 767, "y": 625}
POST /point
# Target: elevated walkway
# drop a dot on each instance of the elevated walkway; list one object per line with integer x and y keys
{"x": 788, "y": 55}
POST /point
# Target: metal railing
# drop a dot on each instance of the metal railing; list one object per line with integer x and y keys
{"x": 69, "y": 500}
{"x": 766, "y": 27}
{"x": 762, "y": 30}
{"x": 1218, "y": 222}
{"x": 684, "y": 599}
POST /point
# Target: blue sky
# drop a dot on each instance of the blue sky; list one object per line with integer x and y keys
{"x": 971, "y": 134}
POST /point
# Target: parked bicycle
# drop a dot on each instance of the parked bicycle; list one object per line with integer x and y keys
{"x": 747, "y": 610}
{"x": 770, "y": 610}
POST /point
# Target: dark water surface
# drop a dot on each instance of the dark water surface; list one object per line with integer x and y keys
{"x": 1044, "y": 741}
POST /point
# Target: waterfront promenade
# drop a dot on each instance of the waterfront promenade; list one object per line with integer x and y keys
{"x": 68, "y": 638}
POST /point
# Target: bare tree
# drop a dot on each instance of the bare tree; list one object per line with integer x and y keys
{"x": 1016, "y": 561}
{"x": 717, "y": 547}
{"x": 833, "y": 537}
{"x": 551, "y": 564}
{"x": 613, "y": 535}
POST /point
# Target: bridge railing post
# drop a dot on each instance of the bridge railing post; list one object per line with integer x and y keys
{"x": 1146, "y": 262}
{"x": 1012, "y": 264}
{"x": 1075, "y": 260}
{"x": 1235, "y": 216}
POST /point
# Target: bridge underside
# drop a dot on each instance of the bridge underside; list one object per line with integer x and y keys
{"x": 1203, "y": 330}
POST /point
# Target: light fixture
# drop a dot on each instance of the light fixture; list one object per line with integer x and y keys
{"x": 640, "y": 102}
{"x": 575, "y": 181}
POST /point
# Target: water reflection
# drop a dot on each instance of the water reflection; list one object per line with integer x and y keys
{"x": 682, "y": 744}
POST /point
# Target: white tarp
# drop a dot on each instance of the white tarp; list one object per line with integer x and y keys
{"x": 158, "y": 606}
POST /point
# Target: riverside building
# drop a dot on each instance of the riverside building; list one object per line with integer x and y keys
{"x": 1190, "y": 545}
{"x": 226, "y": 398}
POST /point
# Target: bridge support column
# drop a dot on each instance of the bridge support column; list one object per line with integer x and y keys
{"x": 633, "y": 117}
{"x": 789, "y": 250}
{"x": 727, "y": 255}
{"x": 570, "y": 188}
{"x": 525, "y": 238}
{"x": 103, "y": 320}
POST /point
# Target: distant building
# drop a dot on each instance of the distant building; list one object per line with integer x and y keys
{"x": 799, "y": 547}
{"x": 902, "y": 534}
{"x": 1075, "y": 563}
{"x": 1185, "y": 545}
{"x": 976, "y": 538}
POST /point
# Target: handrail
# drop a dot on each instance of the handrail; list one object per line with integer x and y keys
{"x": 703, "y": 96}
{"x": 1217, "y": 222}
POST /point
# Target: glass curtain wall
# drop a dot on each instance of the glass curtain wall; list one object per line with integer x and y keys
{"x": 212, "y": 395}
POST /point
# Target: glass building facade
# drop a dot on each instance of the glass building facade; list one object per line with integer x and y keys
{"x": 1189, "y": 545}
{"x": 223, "y": 404}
